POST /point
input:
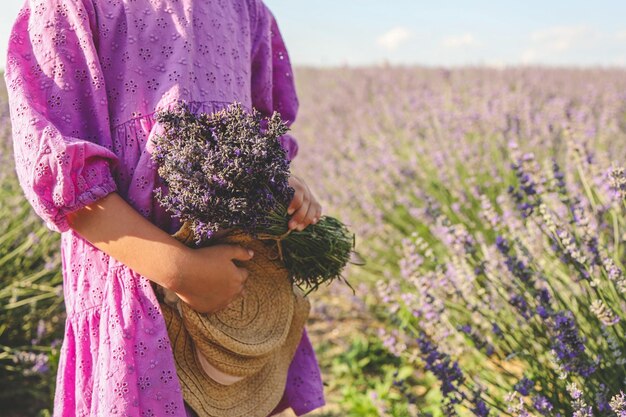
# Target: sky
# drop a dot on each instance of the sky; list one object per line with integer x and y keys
{"x": 444, "y": 33}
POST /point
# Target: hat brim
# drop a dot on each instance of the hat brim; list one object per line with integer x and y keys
{"x": 258, "y": 322}
{"x": 254, "y": 396}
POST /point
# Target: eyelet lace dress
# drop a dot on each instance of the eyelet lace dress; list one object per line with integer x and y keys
{"x": 85, "y": 78}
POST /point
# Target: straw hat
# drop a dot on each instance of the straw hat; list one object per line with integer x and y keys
{"x": 234, "y": 362}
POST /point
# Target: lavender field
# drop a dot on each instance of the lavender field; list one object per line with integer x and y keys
{"x": 490, "y": 208}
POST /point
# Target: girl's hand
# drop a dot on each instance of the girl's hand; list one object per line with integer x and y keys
{"x": 304, "y": 206}
{"x": 208, "y": 279}
{"x": 212, "y": 277}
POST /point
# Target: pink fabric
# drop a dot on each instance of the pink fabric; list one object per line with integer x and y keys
{"x": 85, "y": 78}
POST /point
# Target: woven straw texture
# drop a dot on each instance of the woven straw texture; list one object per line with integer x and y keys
{"x": 255, "y": 337}
{"x": 257, "y": 323}
{"x": 254, "y": 396}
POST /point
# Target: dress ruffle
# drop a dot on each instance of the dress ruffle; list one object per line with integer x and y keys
{"x": 83, "y": 80}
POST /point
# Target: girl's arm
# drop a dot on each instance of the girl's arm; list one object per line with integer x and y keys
{"x": 114, "y": 227}
{"x": 204, "y": 278}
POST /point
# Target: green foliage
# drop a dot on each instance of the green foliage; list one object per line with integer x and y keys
{"x": 420, "y": 168}
{"x": 31, "y": 301}
{"x": 366, "y": 375}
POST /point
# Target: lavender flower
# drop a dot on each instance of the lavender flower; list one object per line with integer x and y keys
{"x": 223, "y": 170}
{"x": 515, "y": 265}
{"x": 604, "y": 313}
{"x": 581, "y": 409}
{"x": 41, "y": 330}
{"x": 541, "y": 404}
{"x": 569, "y": 346}
{"x": 617, "y": 178}
{"x": 446, "y": 370}
{"x": 479, "y": 407}
{"x": 496, "y": 329}
{"x": 37, "y": 363}
{"x": 41, "y": 364}
{"x": 524, "y": 386}
{"x": 618, "y": 404}
{"x": 520, "y": 303}
{"x": 228, "y": 170}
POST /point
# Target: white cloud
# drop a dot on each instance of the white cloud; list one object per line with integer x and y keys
{"x": 554, "y": 43}
{"x": 529, "y": 56}
{"x": 621, "y": 35}
{"x": 461, "y": 41}
{"x": 620, "y": 61}
{"x": 561, "y": 38}
{"x": 394, "y": 38}
{"x": 496, "y": 63}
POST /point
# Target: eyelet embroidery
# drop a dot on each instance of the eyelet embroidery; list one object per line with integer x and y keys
{"x": 84, "y": 79}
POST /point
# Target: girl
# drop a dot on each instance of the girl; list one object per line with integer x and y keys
{"x": 85, "y": 78}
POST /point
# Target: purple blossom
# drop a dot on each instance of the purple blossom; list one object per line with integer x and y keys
{"x": 569, "y": 346}
{"x": 480, "y": 409}
{"x": 41, "y": 364}
{"x": 404, "y": 388}
{"x": 496, "y": 329}
{"x": 542, "y": 312}
{"x": 618, "y": 404}
{"x": 527, "y": 197}
{"x": 41, "y": 331}
{"x": 447, "y": 371}
{"x": 520, "y": 303}
{"x": 544, "y": 296}
{"x": 201, "y": 160}
{"x": 541, "y": 404}
{"x": 512, "y": 262}
{"x": 617, "y": 181}
{"x": 443, "y": 166}
{"x": 467, "y": 329}
{"x": 524, "y": 386}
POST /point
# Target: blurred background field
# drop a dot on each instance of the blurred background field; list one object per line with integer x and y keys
{"x": 438, "y": 170}
{"x": 486, "y": 189}
{"x": 489, "y": 205}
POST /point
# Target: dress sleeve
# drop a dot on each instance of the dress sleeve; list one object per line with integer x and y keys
{"x": 273, "y": 87}
{"x": 59, "y": 109}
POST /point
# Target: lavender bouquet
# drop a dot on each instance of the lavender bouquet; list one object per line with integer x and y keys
{"x": 228, "y": 171}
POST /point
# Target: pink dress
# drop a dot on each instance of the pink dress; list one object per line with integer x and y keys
{"x": 84, "y": 79}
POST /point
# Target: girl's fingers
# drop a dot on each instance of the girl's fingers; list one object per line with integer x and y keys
{"x": 304, "y": 209}
{"x": 308, "y": 219}
{"x": 239, "y": 252}
{"x": 244, "y": 273}
{"x": 298, "y": 216}
{"x": 296, "y": 202}
{"x": 318, "y": 213}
